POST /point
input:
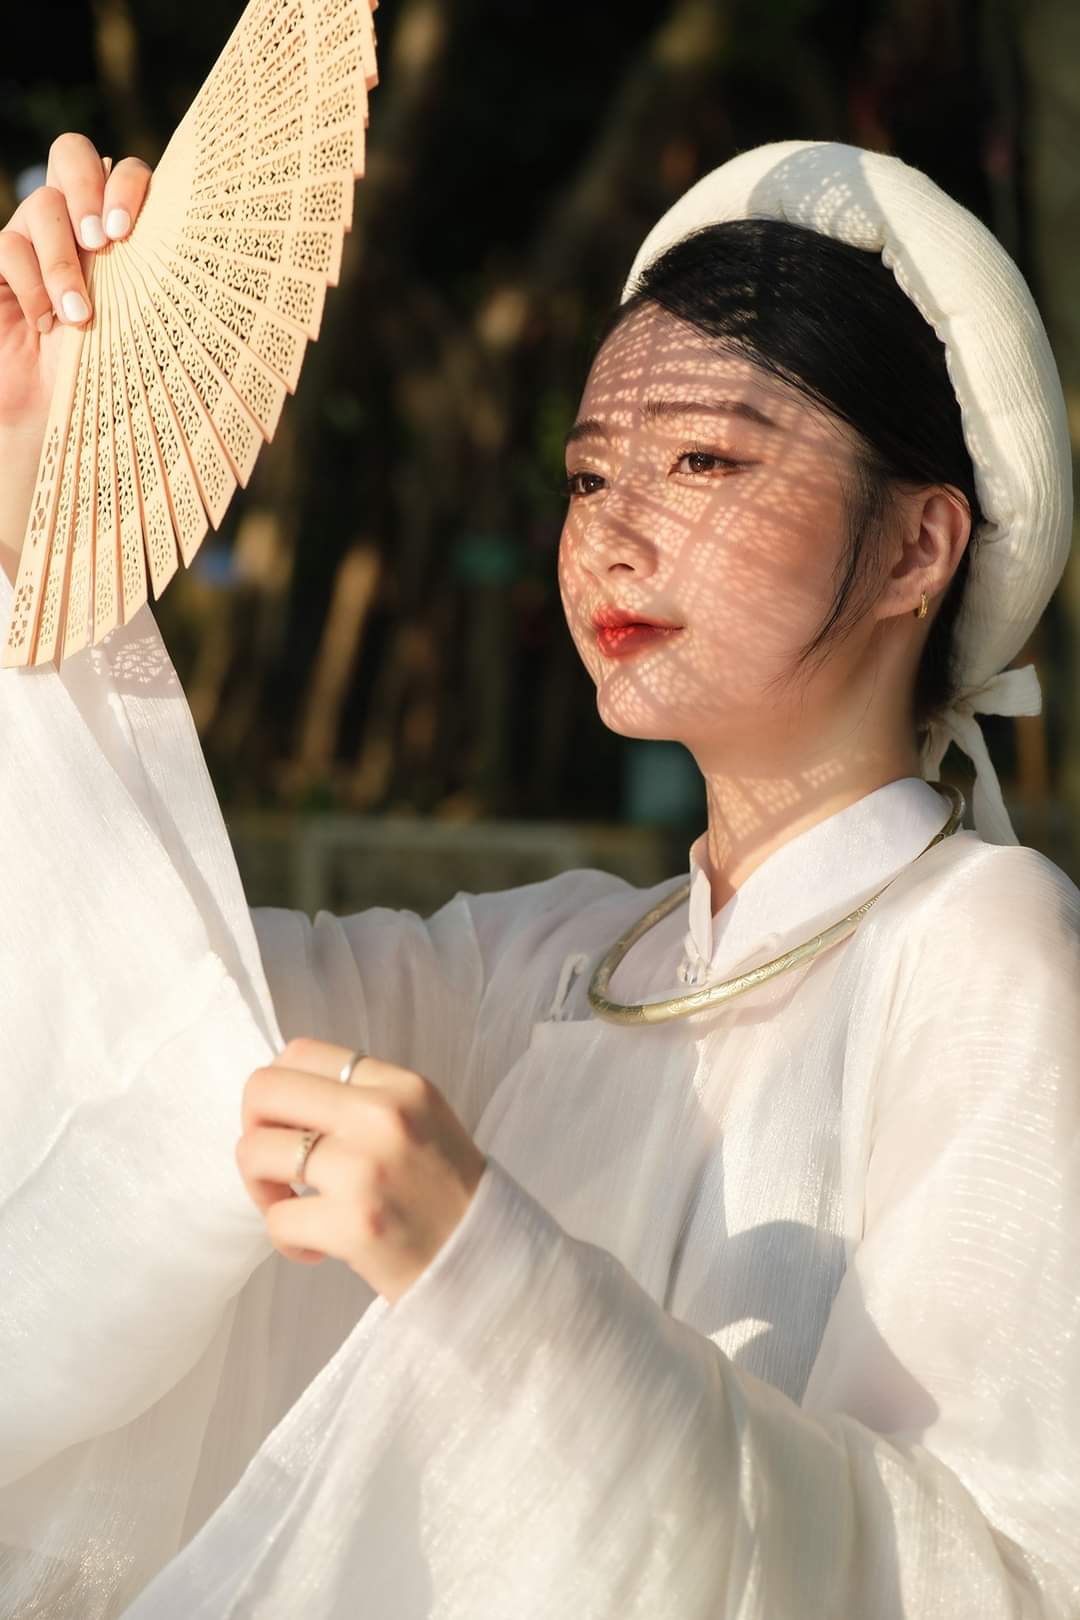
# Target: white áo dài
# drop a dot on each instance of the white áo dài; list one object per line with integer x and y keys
{"x": 765, "y": 1312}
{"x": 771, "y": 1310}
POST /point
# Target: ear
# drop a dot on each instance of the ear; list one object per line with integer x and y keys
{"x": 934, "y": 528}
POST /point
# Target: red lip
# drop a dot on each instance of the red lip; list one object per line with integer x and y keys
{"x": 620, "y": 632}
{"x": 606, "y": 617}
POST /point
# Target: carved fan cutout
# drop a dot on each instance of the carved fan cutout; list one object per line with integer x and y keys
{"x": 200, "y": 320}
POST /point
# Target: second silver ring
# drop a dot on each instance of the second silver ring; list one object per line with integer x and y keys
{"x": 347, "y": 1068}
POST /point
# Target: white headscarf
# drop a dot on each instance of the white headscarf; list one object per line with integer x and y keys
{"x": 999, "y": 359}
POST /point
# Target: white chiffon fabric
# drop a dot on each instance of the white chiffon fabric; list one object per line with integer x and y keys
{"x": 767, "y": 1313}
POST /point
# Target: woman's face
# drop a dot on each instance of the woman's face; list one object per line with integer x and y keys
{"x": 728, "y": 522}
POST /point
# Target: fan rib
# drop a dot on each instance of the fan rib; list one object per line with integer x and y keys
{"x": 200, "y": 321}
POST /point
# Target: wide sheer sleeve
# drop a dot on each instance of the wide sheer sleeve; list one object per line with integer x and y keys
{"x": 429, "y": 993}
{"x": 132, "y": 1008}
{"x": 540, "y": 1437}
{"x": 150, "y": 1337}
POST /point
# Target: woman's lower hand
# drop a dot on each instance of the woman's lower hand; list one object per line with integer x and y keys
{"x": 393, "y": 1172}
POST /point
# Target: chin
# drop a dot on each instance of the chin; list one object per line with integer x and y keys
{"x": 628, "y": 716}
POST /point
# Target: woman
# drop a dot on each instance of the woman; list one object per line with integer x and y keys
{"x": 675, "y": 1288}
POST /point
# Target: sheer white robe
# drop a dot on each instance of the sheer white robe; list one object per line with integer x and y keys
{"x": 767, "y": 1313}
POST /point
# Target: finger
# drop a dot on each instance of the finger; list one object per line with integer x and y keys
{"x": 43, "y": 219}
{"x": 125, "y": 192}
{"x": 267, "y": 1159}
{"x": 283, "y": 1096}
{"x": 295, "y": 1251}
{"x": 262, "y": 1162}
{"x": 75, "y": 168}
{"x": 279, "y": 1096}
{"x": 310, "y": 1225}
{"x": 19, "y": 267}
{"x": 324, "y": 1057}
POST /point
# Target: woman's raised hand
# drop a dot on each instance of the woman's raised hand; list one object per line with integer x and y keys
{"x": 45, "y": 248}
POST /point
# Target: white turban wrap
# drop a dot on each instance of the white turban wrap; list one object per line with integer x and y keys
{"x": 998, "y": 355}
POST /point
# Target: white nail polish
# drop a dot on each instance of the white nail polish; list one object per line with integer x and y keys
{"x": 117, "y": 223}
{"x": 44, "y": 322}
{"x": 90, "y": 229}
{"x": 74, "y": 307}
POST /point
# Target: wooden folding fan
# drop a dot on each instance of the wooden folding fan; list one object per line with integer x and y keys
{"x": 200, "y": 320}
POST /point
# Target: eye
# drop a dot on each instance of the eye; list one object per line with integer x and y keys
{"x": 571, "y": 487}
{"x": 707, "y": 455}
{"x": 570, "y": 483}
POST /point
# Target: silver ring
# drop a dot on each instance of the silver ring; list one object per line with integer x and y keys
{"x": 347, "y": 1068}
{"x": 307, "y": 1141}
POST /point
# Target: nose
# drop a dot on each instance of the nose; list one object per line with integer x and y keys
{"x": 613, "y": 537}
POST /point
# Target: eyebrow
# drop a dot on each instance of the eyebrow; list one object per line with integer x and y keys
{"x": 653, "y": 409}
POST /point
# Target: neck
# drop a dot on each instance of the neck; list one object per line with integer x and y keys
{"x": 752, "y": 815}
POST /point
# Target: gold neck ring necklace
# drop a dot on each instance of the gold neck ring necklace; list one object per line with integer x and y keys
{"x": 661, "y": 1012}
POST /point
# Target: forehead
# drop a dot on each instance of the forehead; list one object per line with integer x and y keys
{"x": 649, "y": 333}
{"x": 653, "y": 356}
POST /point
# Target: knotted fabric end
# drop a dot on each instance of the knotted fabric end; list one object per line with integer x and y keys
{"x": 1011, "y": 691}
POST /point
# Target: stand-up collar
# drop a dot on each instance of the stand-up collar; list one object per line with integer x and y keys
{"x": 809, "y": 882}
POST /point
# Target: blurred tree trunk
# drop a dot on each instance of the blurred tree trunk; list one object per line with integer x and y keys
{"x": 116, "y": 50}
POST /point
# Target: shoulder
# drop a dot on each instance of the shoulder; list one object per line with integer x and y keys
{"x": 583, "y": 898}
{"x": 524, "y": 929}
{"x": 988, "y": 923}
{"x": 969, "y": 885}
{"x": 966, "y": 1002}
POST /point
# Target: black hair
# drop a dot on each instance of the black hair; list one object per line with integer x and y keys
{"x": 832, "y": 322}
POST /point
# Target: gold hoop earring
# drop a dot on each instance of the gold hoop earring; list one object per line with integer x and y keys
{"x": 920, "y": 611}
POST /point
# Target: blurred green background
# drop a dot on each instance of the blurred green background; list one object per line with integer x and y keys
{"x": 373, "y": 645}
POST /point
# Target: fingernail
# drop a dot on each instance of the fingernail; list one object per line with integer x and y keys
{"x": 75, "y": 308}
{"x": 117, "y": 223}
{"x": 44, "y": 322}
{"x": 91, "y": 232}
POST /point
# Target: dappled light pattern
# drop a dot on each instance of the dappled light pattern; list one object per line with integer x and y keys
{"x": 1002, "y": 370}
{"x": 744, "y": 557}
